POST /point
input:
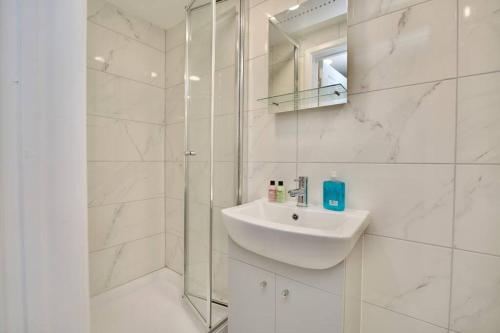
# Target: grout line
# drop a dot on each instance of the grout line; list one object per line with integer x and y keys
{"x": 477, "y": 252}
{"x": 129, "y": 78}
{"x": 127, "y": 36}
{"x": 401, "y": 86}
{"x": 454, "y": 169}
{"x": 165, "y": 110}
{"x": 378, "y": 163}
{"x": 130, "y": 281}
{"x": 127, "y": 242}
{"x": 89, "y": 114}
{"x": 387, "y": 13}
{"x": 403, "y": 314}
{"x": 127, "y": 202}
{"x": 434, "y": 245}
{"x": 126, "y": 161}
{"x": 408, "y": 240}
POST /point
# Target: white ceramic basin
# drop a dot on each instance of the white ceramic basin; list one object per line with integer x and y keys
{"x": 318, "y": 239}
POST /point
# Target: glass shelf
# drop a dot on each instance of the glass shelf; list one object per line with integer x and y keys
{"x": 307, "y": 99}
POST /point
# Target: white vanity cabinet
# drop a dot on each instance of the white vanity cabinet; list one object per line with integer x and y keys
{"x": 252, "y": 303}
{"x": 266, "y": 296}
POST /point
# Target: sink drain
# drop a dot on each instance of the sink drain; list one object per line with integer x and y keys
{"x": 295, "y": 217}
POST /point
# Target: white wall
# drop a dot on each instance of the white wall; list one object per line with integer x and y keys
{"x": 43, "y": 230}
{"x": 417, "y": 145}
{"x": 126, "y": 146}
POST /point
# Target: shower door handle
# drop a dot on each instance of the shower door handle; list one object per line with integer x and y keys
{"x": 190, "y": 153}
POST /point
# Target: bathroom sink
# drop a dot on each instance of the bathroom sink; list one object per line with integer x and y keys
{"x": 308, "y": 237}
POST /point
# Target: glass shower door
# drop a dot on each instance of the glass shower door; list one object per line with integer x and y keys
{"x": 198, "y": 162}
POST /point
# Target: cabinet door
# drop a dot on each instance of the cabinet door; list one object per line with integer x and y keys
{"x": 300, "y": 308}
{"x": 251, "y": 299}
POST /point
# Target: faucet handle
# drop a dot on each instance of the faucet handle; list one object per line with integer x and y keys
{"x": 300, "y": 178}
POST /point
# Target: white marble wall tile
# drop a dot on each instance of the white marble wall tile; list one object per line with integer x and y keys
{"x": 114, "y": 53}
{"x": 174, "y": 104}
{"x": 225, "y": 143}
{"x": 117, "y": 97}
{"x": 413, "y": 202}
{"x": 477, "y": 217}
{"x": 174, "y": 248}
{"x": 220, "y": 276}
{"x": 174, "y": 180}
{"x": 260, "y": 173}
{"x": 112, "y": 17}
{"x": 475, "y": 301}
{"x": 259, "y": 22}
{"x": 120, "y": 223}
{"x": 117, "y": 265}
{"x": 224, "y": 91}
{"x": 272, "y": 137}
{"x": 175, "y": 36}
{"x": 174, "y": 216}
{"x": 116, "y": 182}
{"x": 479, "y": 28}
{"x": 174, "y": 70}
{"x": 409, "y": 124}
{"x": 409, "y": 278}
{"x": 174, "y": 142}
{"x": 362, "y": 10}
{"x": 478, "y": 131}
{"x": 225, "y": 42}
{"x": 224, "y": 185}
{"x": 257, "y": 82}
{"x": 253, "y": 3}
{"x": 379, "y": 320}
{"x": 122, "y": 140}
{"x": 414, "y": 45}
{"x": 220, "y": 236}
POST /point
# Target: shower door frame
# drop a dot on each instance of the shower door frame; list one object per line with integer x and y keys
{"x": 239, "y": 107}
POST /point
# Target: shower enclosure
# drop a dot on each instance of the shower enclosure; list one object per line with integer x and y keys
{"x": 213, "y": 89}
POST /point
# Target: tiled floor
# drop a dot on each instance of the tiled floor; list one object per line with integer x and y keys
{"x": 151, "y": 304}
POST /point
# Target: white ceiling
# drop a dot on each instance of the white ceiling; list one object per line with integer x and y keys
{"x": 162, "y": 13}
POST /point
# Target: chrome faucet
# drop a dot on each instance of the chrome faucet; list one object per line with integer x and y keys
{"x": 300, "y": 192}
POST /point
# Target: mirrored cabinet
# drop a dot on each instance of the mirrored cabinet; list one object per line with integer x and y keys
{"x": 307, "y": 56}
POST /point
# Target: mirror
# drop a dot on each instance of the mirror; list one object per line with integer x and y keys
{"x": 308, "y": 56}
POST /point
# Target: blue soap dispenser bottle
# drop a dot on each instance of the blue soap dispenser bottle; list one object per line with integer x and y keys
{"x": 334, "y": 193}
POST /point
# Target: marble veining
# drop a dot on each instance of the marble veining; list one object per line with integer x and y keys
{"x": 117, "y": 97}
{"x": 408, "y": 278}
{"x": 479, "y": 28}
{"x": 116, "y": 182}
{"x": 116, "y": 224}
{"x": 362, "y": 10}
{"x": 122, "y": 140}
{"x": 478, "y": 130}
{"x": 477, "y": 209}
{"x": 475, "y": 298}
{"x": 406, "y": 47}
{"x": 396, "y": 125}
{"x": 114, "y": 53}
{"x": 117, "y": 265}
{"x": 112, "y": 17}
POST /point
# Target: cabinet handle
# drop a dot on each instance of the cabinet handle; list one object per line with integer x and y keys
{"x": 285, "y": 292}
{"x": 263, "y": 284}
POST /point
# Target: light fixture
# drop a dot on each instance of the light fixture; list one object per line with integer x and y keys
{"x": 100, "y": 59}
{"x": 466, "y": 11}
{"x": 294, "y": 7}
{"x": 154, "y": 74}
{"x": 194, "y": 78}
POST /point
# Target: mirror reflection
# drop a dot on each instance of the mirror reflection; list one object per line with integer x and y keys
{"x": 308, "y": 56}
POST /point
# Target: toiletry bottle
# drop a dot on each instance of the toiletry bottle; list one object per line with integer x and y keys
{"x": 280, "y": 192}
{"x": 271, "y": 191}
{"x": 334, "y": 193}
